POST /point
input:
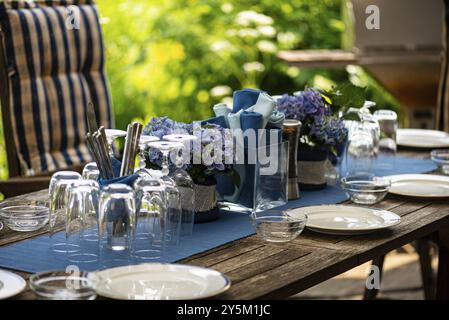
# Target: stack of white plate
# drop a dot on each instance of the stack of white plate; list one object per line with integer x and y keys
{"x": 420, "y": 138}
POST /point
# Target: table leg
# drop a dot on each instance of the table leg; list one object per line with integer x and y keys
{"x": 443, "y": 265}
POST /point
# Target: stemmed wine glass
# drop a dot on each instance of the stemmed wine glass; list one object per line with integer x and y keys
{"x": 185, "y": 184}
{"x": 111, "y": 135}
{"x": 172, "y": 194}
{"x": 165, "y": 147}
{"x": 143, "y": 143}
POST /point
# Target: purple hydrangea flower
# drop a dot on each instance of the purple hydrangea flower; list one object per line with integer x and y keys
{"x": 318, "y": 124}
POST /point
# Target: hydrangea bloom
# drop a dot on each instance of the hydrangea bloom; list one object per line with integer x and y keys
{"x": 160, "y": 127}
{"x": 320, "y": 127}
{"x": 206, "y": 158}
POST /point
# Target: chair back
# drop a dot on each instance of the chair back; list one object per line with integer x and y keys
{"x": 51, "y": 66}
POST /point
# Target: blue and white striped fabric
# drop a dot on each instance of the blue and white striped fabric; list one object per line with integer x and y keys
{"x": 53, "y": 72}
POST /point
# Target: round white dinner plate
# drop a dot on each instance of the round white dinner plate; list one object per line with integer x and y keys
{"x": 158, "y": 281}
{"x": 421, "y": 138}
{"x": 10, "y": 284}
{"x": 346, "y": 220}
{"x": 420, "y": 185}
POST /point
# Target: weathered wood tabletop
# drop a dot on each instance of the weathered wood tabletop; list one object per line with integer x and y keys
{"x": 261, "y": 270}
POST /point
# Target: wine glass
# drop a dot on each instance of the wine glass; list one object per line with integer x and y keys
{"x": 143, "y": 143}
{"x": 111, "y": 135}
{"x": 185, "y": 184}
{"x": 165, "y": 147}
{"x": 173, "y": 198}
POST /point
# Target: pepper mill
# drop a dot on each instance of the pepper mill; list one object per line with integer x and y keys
{"x": 291, "y": 130}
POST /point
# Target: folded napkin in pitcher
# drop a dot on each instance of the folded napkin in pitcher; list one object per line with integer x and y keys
{"x": 251, "y": 110}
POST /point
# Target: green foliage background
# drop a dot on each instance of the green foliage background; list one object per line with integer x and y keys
{"x": 179, "y": 57}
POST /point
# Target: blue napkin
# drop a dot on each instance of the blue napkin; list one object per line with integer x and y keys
{"x": 128, "y": 180}
{"x": 251, "y": 120}
{"x": 243, "y": 99}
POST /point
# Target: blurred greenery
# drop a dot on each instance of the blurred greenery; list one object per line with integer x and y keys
{"x": 179, "y": 57}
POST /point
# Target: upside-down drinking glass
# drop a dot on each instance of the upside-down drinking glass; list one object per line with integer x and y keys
{"x": 58, "y": 202}
{"x": 116, "y": 224}
{"x": 90, "y": 171}
{"x": 81, "y": 227}
{"x": 149, "y": 242}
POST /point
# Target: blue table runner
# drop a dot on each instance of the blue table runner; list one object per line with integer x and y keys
{"x": 34, "y": 255}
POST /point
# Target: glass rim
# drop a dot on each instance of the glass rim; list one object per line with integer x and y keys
{"x": 46, "y": 276}
{"x": 272, "y": 218}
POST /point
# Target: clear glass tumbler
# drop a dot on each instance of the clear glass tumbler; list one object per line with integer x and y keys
{"x": 271, "y": 176}
{"x": 116, "y": 225}
{"x": 81, "y": 221}
{"x": 58, "y": 203}
{"x": 388, "y": 124}
{"x": 90, "y": 171}
{"x": 360, "y": 153}
{"x": 151, "y": 215}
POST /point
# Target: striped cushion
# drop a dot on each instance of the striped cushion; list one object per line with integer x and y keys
{"x": 53, "y": 72}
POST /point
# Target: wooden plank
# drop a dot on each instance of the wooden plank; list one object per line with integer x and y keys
{"x": 318, "y": 58}
{"x": 293, "y": 276}
{"x": 412, "y": 227}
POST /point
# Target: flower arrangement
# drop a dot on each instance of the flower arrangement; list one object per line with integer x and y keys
{"x": 210, "y": 153}
{"x": 320, "y": 127}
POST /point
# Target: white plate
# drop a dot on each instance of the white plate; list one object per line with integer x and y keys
{"x": 420, "y": 185}
{"x": 420, "y": 138}
{"x": 10, "y": 284}
{"x": 157, "y": 281}
{"x": 346, "y": 220}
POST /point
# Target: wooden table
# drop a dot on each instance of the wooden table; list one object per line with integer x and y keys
{"x": 261, "y": 270}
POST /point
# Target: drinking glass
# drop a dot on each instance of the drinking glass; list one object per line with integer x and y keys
{"x": 165, "y": 147}
{"x": 271, "y": 176}
{"x": 143, "y": 143}
{"x": 81, "y": 228}
{"x": 360, "y": 153}
{"x": 58, "y": 202}
{"x": 185, "y": 183}
{"x": 111, "y": 136}
{"x": 116, "y": 224}
{"x": 174, "y": 211}
{"x": 173, "y": 197}
{"x": 388, "y": 124}
{"x": 149, "y": 242}
{"x": 90, "y": 171}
